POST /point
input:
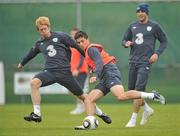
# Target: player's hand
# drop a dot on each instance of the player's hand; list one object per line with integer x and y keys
{"x": 93, "y": 79}
{"x": 90, "y": 71}
{"x": 75, "y": 72}
{"x": 153, "y": 58}
{"x": 19, "y": 66}
{"x": 128, "y": 44}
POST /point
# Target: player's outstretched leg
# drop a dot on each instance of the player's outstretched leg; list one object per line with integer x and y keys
{"x": 33, "y": 117}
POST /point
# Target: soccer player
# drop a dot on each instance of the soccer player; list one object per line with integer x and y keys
{"x": 105, "y": 70}
{"x": 79, "y": 69}
{"x": 55, "y": 47}
{"x": 140, "y": 37}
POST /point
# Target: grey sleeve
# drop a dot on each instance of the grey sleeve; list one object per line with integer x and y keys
{"x": 70, "y": 42}
{"x": 95, "y": 55}
{"x": 30, "y": 55}
{"x": 127, "y": 36}
{"x": 161, "y": 36}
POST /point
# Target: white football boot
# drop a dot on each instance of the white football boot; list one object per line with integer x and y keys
{"x": 146, "y": 115}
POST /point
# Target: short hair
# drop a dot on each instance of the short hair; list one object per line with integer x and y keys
{"x": 80, "y": 34}
{"x": 43, "y": 20}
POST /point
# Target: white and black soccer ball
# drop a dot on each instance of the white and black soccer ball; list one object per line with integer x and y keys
{"x": 90, "y": 122}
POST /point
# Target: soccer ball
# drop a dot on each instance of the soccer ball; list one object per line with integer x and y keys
{"x": 90, "y": 122}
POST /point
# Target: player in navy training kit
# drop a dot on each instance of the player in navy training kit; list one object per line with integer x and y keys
{"x": 55, "y": 47}
{"x": 141, "y": 36}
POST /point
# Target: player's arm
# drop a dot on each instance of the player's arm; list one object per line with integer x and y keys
{"x": 76, "y": 46}
{"x": 161, "y": 36}
{"x": 30, "y": 55}
{"x": 95, "y": 55}
{"x": 127, "y": 38}
{"x": 70, "y": 42}
{"x": 75, "y": 60}
{"x": 81, "y": 62}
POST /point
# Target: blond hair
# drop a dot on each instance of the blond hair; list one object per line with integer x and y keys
{"x": 42, "y": 21}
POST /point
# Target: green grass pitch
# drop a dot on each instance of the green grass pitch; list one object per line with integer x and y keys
{"x": 58, "y": 122}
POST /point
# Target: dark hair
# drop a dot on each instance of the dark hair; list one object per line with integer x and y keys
{"x": 81, "y": 34}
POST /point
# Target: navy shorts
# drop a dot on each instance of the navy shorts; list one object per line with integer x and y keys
{"x": 64, "y": 78}
{"x": 110, "y": 77}
{"x": 138, "y": 76}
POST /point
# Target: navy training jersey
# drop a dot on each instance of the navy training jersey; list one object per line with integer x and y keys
{"x": 55, "y": 49}
{"x": 144, "y": 38}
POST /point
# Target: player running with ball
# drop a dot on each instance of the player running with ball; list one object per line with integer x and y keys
{"x": 105, "y": 70}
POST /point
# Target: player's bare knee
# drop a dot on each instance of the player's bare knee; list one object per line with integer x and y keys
{"x": 120, "y": 97}
{"x": 34, "y": 83}
{"x": 92, "y": 100}
{"x": 89, "y": 100}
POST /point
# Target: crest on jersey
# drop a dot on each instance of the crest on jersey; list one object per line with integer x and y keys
{"x": 55, "y": 39}
{"x": 149, "y": 28}
{"x": 134, "y": 27}
{"x": 147, "y": 68}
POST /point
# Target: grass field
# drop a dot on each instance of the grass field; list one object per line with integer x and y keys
{"x": 58, "y": 122}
